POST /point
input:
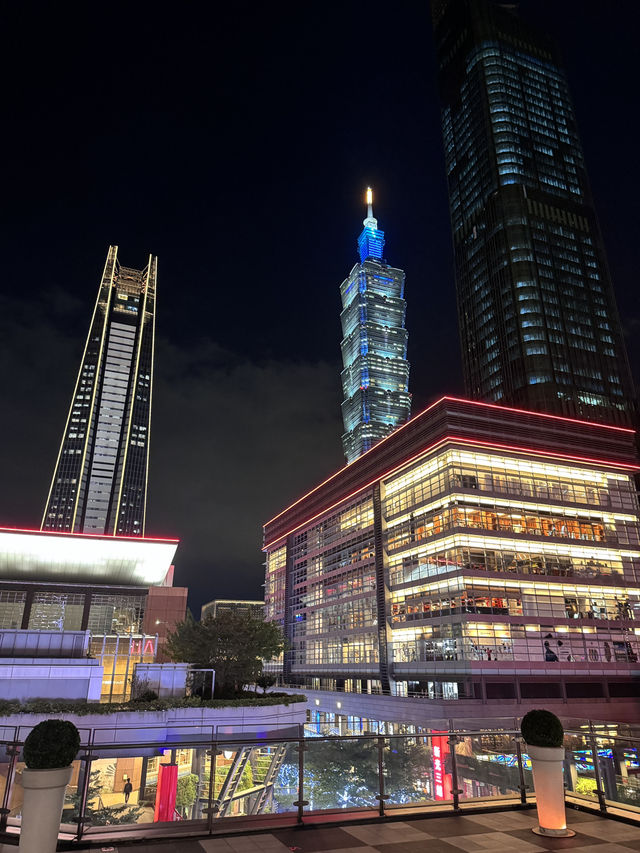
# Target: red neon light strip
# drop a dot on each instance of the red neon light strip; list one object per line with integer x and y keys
{"x": 87, "y": 535}
{"x": 537, "y": 414}
{"x": 453, "y": 400}
{"x": 449, "y": 438}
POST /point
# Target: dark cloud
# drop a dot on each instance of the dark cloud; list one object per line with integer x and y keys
{"x": 38, "y": 364}
{"x": 233, "y": 440}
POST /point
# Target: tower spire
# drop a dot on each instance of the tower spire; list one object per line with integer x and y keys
{"x": 370, "y": 222}
{"x": 371, "y": 240}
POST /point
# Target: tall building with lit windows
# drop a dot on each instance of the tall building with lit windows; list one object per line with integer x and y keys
{"x": 480, "y": 553}
{"x": 538, "y": 321}
{"x": 375, "y": 378}
{"x": 99, "y": 483}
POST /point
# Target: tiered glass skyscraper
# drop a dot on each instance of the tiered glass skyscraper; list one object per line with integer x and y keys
{"x": 100, "y": 480}
{"x": 375, "y": 377}
{"x": 538, "y": 320}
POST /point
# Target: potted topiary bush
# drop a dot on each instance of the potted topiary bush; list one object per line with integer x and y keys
{"x": 543, "y": 735}
{"x": 49, "y": 751}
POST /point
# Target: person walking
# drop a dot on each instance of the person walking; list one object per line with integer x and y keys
{"x": 128, "y": 788}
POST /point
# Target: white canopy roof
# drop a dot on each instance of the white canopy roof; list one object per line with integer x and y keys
{"x": 32, "y": 555}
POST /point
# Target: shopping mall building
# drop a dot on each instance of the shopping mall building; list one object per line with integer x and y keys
{"x": 478, "y": 553}
{"x": 78, "y": 611}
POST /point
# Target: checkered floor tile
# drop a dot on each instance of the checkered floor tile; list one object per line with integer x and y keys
{"x": 496, "y": 832}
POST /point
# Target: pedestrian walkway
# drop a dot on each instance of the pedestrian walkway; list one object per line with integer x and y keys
{"x": 495, "y": 832}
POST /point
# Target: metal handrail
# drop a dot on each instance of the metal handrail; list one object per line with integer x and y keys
{"x": 215, "y": 744}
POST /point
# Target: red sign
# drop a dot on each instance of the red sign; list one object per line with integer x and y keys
{"x": 442, "y": 782}
{"x": 166, "y": 792}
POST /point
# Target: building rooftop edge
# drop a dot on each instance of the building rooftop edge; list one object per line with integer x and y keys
{"x": 453, "y": 439}
{"x": 452, "y": 399}
{"x": 37, "y": 531}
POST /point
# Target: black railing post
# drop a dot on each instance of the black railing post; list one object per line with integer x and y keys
{"x": 301, "y": 802}
{"x": 13, "y": 751}
{"x": 596, "y": 767}
{"x": 212, "y": 781}
{"x": 455, "y": 791}
{"x": 522, "y": 785}
{"x": 87, "y": 758}
{"x": 381, "y": 796}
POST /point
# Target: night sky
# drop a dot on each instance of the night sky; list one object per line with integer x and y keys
{"x": 235, "y": 141}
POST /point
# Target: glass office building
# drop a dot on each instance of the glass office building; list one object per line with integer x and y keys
{"x": 480, "y": 552}
{"x": 99, "y": 483}
{"x": 244, "y": 607}
{"x": 538, "y": 321}
{"x": 375, "y": 378}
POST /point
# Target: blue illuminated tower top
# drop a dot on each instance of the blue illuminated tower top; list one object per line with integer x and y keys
{"x": 371, "y": 240}
{"x": 375, "y": 376}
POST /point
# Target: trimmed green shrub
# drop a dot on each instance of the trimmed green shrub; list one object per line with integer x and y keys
{"x": 81, "y": 708}
{"x": 51, "y": 744}
{"x": 542, "y": 728}
{"x": 145, "y": 696}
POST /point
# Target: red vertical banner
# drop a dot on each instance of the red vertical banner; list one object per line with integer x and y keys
{"x": 441, "y": 779}
{"x": 166, "y": 792}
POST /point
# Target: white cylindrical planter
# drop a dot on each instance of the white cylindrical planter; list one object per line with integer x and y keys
{"x": 42, "y": 808}
{"x": 548, "y": 783}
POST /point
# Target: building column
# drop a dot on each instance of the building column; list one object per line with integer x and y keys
{"x": 143, "y": 778}
{"x": 382, "y": 591}
{"x": 85, "y": 612}
{"x": 288, "y": 625}
{"x": 26, "y": 613}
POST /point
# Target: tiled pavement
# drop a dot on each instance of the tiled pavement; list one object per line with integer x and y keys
{"x": 497, "y": 832}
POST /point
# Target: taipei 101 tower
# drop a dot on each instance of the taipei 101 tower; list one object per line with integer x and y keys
{"x": 375, "y": 377}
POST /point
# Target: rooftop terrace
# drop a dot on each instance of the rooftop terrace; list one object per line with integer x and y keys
{"x": 496, "y": 831}
{"x": 428, "y": 791}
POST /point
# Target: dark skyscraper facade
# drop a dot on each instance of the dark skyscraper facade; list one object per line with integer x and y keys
{"x": 538, "y": 321}
{"x": 100, "y": 480}
{"x": 375, "y": 377}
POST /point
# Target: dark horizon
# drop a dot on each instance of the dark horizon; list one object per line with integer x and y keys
{"x": 242, "y": 160}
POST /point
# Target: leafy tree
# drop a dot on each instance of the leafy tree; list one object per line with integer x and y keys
{"x": 265, "y": 681}
{"x": 344, "y": 773}
{"x": 186, "y": 791}
{"x": 97, "y": 813}
{"x": 233, "y": 644}
{"x": 586, "y": 787}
